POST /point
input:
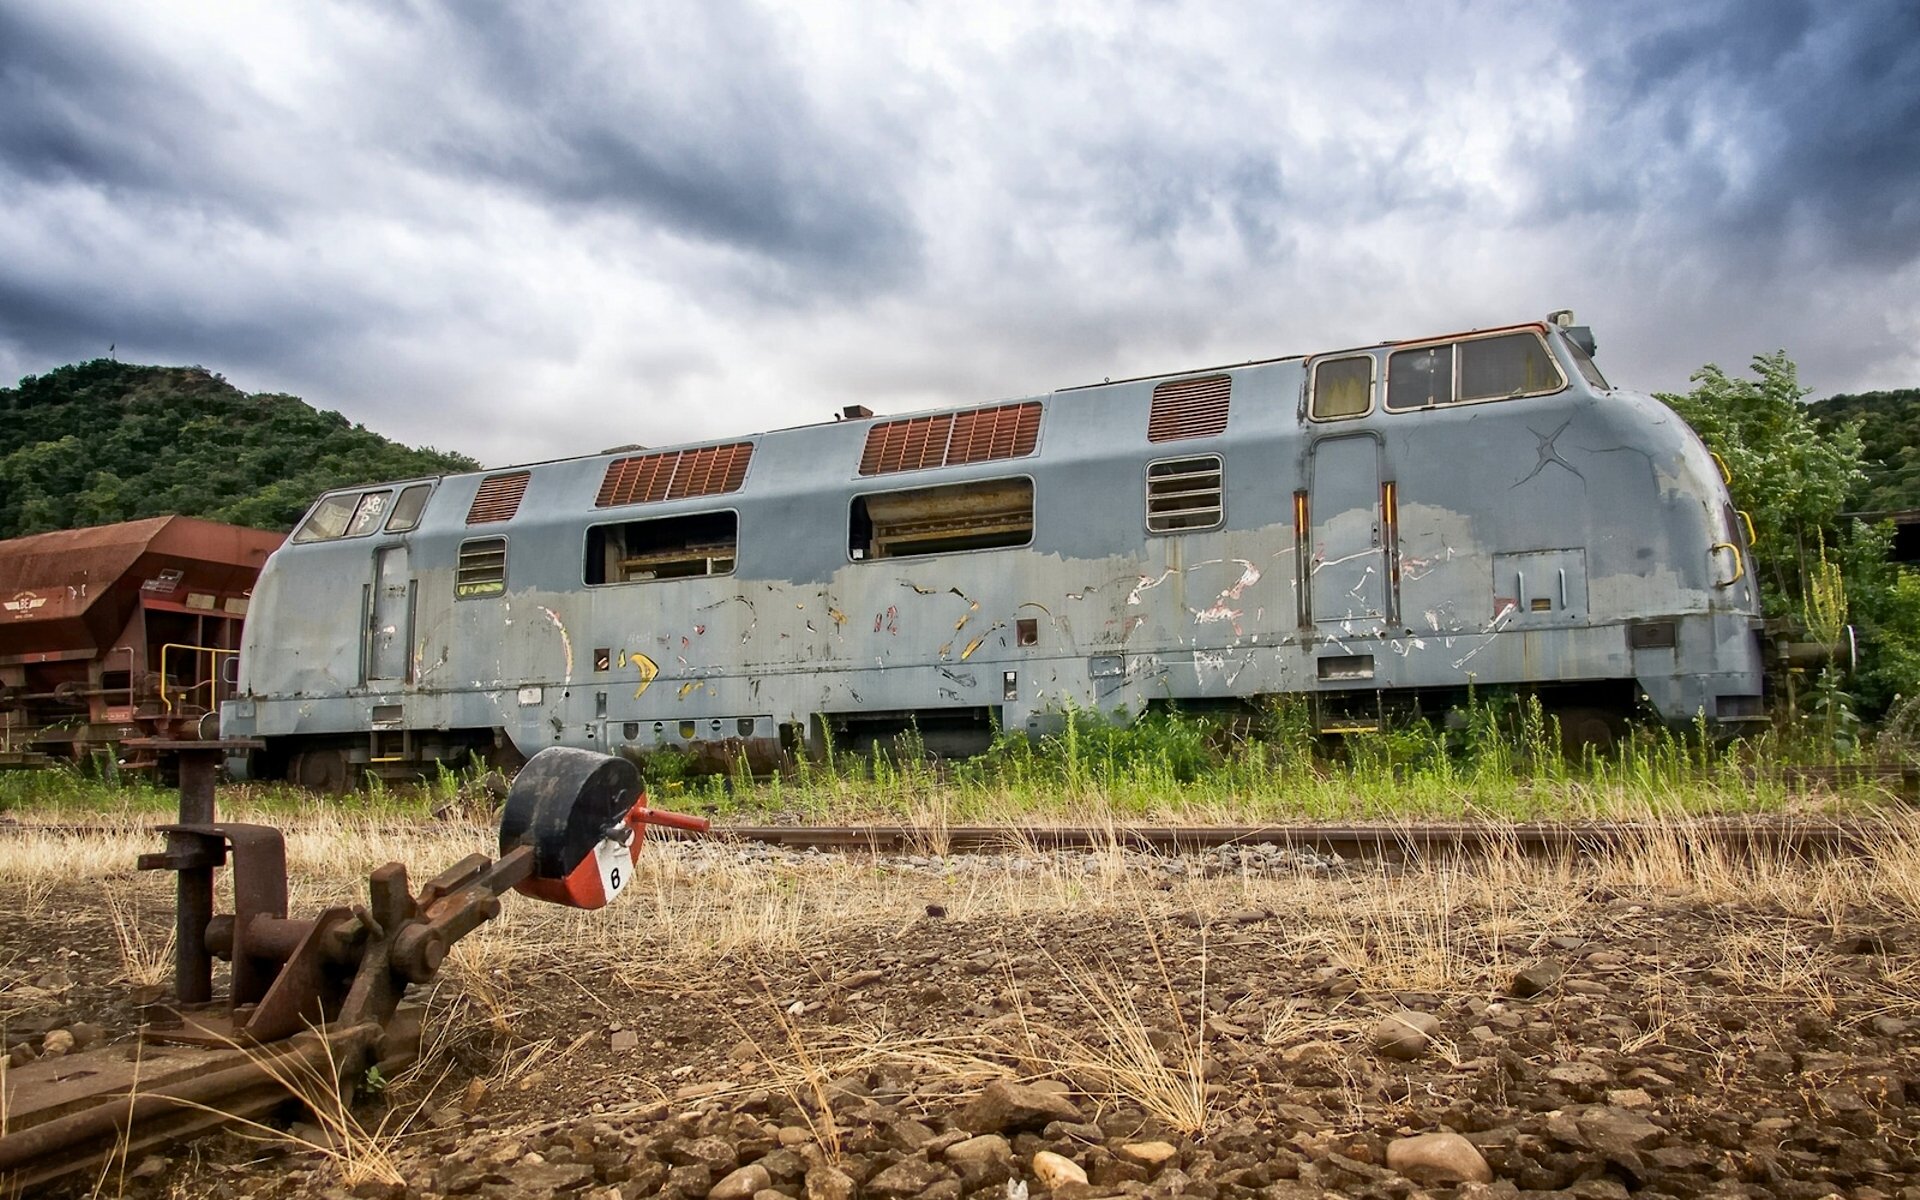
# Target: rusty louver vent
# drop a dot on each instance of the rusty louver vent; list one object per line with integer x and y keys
{"x": 951, "y": 439}
{"x": 1189, "y": 408}
{"x": 675, "y": 475}
{"x": 498, "y": 498}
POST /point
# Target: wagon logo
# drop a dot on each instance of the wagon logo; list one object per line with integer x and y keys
{"x": 23, "y": 604}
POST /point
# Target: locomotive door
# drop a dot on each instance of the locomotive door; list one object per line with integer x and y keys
{"x": 390, "y": 617}
{"x": 1348, "y": 546}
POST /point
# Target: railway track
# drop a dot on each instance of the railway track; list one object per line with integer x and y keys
{"x": 1775, "y": 836}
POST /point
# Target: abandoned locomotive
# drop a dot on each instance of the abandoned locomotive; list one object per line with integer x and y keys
{"x": 1367, "y": 526}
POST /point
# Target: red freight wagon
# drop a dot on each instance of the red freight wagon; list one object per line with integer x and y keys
{"x": 120, "y": 631}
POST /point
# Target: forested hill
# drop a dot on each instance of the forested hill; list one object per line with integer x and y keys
{"x": 107, "y": 441}
{"x": 1890, "y": 436}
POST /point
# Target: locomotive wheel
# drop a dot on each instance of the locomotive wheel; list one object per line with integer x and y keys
{"x": 324, "y": 771}
{"x": 562, "y": 804}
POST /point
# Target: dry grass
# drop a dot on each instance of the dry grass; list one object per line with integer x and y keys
{"x": 1450, "y": 927}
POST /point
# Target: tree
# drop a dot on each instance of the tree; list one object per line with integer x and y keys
{"x": 1795, "y": 477}
{"x": 1786, "y": 473}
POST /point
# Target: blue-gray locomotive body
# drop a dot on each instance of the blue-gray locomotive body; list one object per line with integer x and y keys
{"x": 1401, "y": 520}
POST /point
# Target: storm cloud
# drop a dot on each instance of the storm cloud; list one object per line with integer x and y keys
{"x": 549, "y": 228}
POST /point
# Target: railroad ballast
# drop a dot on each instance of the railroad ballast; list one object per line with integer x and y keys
{"x": 1367, "y": 527}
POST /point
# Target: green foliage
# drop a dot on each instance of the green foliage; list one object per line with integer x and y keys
{"x": 1792, "y": 477}
{"x": 106, "y": 441}
{"x": 1889, "y": 425}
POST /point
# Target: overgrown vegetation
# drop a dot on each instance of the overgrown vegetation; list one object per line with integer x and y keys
{"x": 106, "y": 441}
{"x": 1500, "y": 758}
{"x": 1795, "y": 473}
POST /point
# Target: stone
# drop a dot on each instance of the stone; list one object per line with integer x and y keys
{"x": 825, "y": 1182}
{"x": 1404, "y": 1035}
{"x": 1438, "y": 1158}
{"x": 56, "y": 1043}
{"x": 1309, "y": 1052}
{"x": 545, "y": 1178}
{"x": 908, "y": 1177}
{"x": 474, "y": 1097}
{"x": 1062, "y": 1131}
{"x": 741, "y": 1184}
{"x": 1148, "y": 1154}
{"x": 1055, "y": 1171}
{"x": 86, "y": 1033}
{"x": 1532, "y": 980}
{"x": 1630, "y": 1098}
{"x": 794, "y": 1135}
{"x": 1580, "y": 1074}
{"x": 983, "y": 1160}
{"x": 1006, "y": 1105}
{"x": 625, "y": 1042}
{"x": 716, "y": 1154}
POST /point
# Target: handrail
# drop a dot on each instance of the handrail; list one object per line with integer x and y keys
{"x": 1739, "y": 564}
{"x": 211, "y": 681}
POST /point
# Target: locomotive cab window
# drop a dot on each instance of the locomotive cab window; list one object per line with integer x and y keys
{"x": 367, "y": 513}
{"x": 1420, "y": 378}
{"x": 663, "y": 548}
{"x": 942, "y": 520}
{"x": 1502, "y": 367}
{"x": 1342, "y": 387}
{"x": 329, "y": 518}
{"x": 406, "y": 510}
{"x": 1515, "y": 364}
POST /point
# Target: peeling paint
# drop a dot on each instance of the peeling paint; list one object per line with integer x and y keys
{"x": 1148, "y": 583}
{"x": 648, "y": 670}
{"x": 971, "y": 647}
{"x": 566, "y": 642}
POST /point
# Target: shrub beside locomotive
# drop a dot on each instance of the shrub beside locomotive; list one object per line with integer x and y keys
{"x": 1373, "y": 527}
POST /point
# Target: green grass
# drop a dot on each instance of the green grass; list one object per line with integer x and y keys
{"x": 1499, "y": 758}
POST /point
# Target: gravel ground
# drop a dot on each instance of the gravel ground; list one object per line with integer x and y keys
{"x": 1250, "y": 1022}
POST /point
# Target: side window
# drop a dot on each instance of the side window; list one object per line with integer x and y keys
{"x": 406, "y": 510}
{"x": 1420, "y": 378}
{"x": 663, "y": 548}
{"x": 1516, "y": 364}
{"x": 1185, "y": 494}
{"x": 1342, "y": 387}
{"x": 329, "y": 519}
{"x": 942, "y": 520}
{"x": 482, "y": 568}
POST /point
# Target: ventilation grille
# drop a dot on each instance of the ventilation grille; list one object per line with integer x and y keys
{"x": 675, "y": 475}
{"x": 1189, "y": 408}
{"x": 482, "y": 568}
{"x": 1184, "y": 494}
{"x": 951, "y": 439}
{"x": 498, "y": 498}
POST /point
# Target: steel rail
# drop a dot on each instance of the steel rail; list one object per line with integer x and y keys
{"x": 1381, "y": 840}
{"x": 1391, "y": 842}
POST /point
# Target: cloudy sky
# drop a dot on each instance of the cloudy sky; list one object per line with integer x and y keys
{"x": 548, "y": 229}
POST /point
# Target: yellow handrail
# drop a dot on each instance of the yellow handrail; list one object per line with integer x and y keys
{"x": 212, "y": 680}
{"x": 1739, "y": 563}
